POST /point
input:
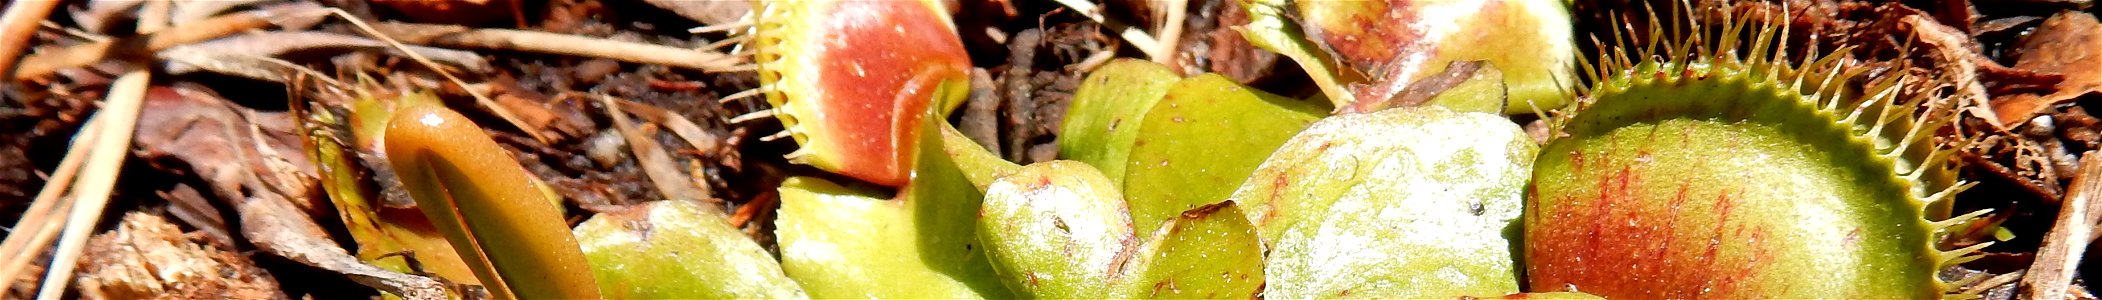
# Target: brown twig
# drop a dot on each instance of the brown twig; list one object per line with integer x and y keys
{"x": 17, "y": 25}
{"x": 142, "y": 46}
{"x": 563, "y": 44}
{"x": 2057, "y": 259}
{"x": 36, "y": 229}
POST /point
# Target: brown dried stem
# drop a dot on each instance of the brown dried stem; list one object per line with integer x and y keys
{"x": 2052, "y": 272}
{"x": 142, "y": 46}
{"x": 36, "y": 229}
{"x": 563, "y": 44}
{"x": 119, "y": 115}
{"x": 17, "y": 25}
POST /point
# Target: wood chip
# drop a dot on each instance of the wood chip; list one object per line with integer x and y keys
{"x": 147, "y": 257}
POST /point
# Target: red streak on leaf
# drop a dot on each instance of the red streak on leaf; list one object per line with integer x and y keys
{"x": 880, "y": 64}
{"x": 1622, "y": 243}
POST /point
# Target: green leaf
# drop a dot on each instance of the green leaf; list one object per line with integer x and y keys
{"x": 1059, "y": 230}
{"x": 979, "y": 166}
{"x": 1055, "y": 229}
{"x": 1208, "y": 252}
{"x": 1410, "y": 202}
{"x": 1201, "y": 141}
{"x": 1104, "y": 117}
{"x": 679, "y": 249}
{"x": 840, "y": 242}
{"x": 1270, "y": 28}
{"x": 1483, "y": 91}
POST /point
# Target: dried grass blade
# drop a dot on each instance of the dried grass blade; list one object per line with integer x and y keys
{"x": 119, "y": 114}
{"x": 16, "y": 25}
{"x": 554, "y": 43}
{"x": 36, "y": 228}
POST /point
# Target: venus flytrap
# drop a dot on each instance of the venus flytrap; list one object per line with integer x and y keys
{"x": 1358, "y": 205}
{"x": 1061, "y": 229}
{"x": 1708, "y": 165}
{"x": 387, "y": 237}
{"x": 850, "y": 79}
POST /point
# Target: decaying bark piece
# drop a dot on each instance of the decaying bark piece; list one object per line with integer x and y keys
{"x": 148, "y": 258}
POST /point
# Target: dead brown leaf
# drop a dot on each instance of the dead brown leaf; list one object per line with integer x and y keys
{"x": 278, "y": 228}
{"x": 254, "y": 162}
{"x": 2069, "y": 44}
{"x": 213, "y": 138}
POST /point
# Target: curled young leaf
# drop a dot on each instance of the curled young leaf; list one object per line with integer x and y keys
{"x": 495, "y": 214}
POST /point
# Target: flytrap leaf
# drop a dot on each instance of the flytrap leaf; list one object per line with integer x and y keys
{"x": 1270, "y": 27}
{"x": 1704, "y": 172}
{"x": 843, "y": 242}
{"x": 679, "y": 249}
{"x": 1411, "y": 202}
{"x": 1056, "y": 229}
{"x": 1203, "y": 139}
{"x": 1209, "y": 252}
{"x": 1104, "y": 117}
{"x": 851, "y": 79}
{"x": 1059, "y": 229}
